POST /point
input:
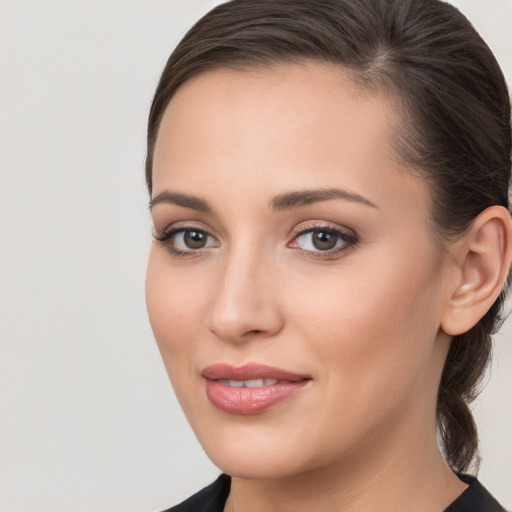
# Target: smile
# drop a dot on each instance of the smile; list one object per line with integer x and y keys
{"x": 250, "y": 389}
{"x": 252, "y": 383}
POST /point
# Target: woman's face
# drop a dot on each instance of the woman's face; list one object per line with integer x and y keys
{"x": 296, "y": 292}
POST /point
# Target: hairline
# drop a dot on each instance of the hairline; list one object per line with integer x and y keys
{"x": 365, "y": 83}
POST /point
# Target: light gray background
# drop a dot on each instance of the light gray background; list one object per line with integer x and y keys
{"x": 88, "y": 421}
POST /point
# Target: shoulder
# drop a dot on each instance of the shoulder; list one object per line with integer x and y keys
{"x": 476, "y": 498}
{"x": 209, "y": 499}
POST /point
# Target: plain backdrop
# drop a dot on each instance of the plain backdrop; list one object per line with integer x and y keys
{"x": 88, "y": 420}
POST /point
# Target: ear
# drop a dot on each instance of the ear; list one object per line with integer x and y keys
{"x": 483, "y": 258}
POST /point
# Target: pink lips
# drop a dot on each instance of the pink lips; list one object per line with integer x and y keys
{"x": 251, "y": 388}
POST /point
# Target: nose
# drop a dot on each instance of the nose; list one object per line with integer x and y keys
{"x": 245, "y": 304}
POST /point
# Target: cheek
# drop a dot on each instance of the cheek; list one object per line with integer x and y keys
{"x": 375, "y": 329}
{"x": 175, "y": 302}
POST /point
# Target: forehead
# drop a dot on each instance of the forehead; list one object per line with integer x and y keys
{"x": 310, "y": 91}
{"x": 288, "y": 127}
{"x": 292, "y": 99}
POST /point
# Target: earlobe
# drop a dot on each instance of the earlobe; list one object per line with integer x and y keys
{"x": 484, "y": 258}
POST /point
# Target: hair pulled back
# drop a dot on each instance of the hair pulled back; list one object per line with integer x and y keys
{"x": 455, "y": 122}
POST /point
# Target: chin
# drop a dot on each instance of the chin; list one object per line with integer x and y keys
{"x": 258, "y": 453}
{"x": 255, "y": 466}
{"x": 245, "y": 451}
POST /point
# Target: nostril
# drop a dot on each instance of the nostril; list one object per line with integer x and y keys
{"x": 253, "y": 331}
{"x": 238, "y": 321}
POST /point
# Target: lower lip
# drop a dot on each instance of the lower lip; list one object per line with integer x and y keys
{"x": 250, "y": 400}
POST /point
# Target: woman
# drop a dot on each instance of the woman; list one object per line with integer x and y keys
{"x": 329, "y": 192}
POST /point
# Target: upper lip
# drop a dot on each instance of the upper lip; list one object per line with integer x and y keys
{"x": 249, "y": 371}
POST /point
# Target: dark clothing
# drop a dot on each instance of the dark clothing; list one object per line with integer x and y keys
{"x": 213, "y": 498}
{"x": 210, "y": 499}
{"x": 475, "y": 498}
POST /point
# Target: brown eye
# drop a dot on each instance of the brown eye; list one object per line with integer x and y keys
{"x": 182, "y": 241}
{"x": 324, "y": 240}
{"x": 195, "y": 239}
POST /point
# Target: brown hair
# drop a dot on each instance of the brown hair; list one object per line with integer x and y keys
{"x": 455, "y": 122}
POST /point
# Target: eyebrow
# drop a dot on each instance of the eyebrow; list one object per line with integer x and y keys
{"x": 279, "y": 203}
{"x": 306, "y": 197}
{"x": 185, "y": 200}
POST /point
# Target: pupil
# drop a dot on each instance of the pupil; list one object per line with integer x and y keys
{"x": 195, "y": 239}
{"x": 323, "y": 240}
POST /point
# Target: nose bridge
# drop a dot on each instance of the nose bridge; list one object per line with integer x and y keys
{"x": 244, "y": 304}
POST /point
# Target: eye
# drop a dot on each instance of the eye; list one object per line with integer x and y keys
{"x": 186, "y": 240}
{"x": 318, "y": 240}
{"x": 325, "y": 240}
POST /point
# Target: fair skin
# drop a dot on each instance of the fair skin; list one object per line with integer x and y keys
{"x": 366, "y": 319}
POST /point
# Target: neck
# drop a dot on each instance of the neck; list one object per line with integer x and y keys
{"x": 406, "y": 473}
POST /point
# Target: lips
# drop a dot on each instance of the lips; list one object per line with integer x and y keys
{"x": 251, "y": 388}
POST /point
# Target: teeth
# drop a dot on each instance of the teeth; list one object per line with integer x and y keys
{"x": 252, "y": 383}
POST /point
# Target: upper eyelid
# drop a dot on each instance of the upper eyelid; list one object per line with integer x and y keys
{"x": 171, "y": 231}
{"x": 310, "y": 226}
{"x": 186, "y": 226}
{"x": 344, "y": 233}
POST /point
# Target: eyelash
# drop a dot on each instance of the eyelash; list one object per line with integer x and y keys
{"x": 348, "y": 241}
{"x": 166, "y": 238}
